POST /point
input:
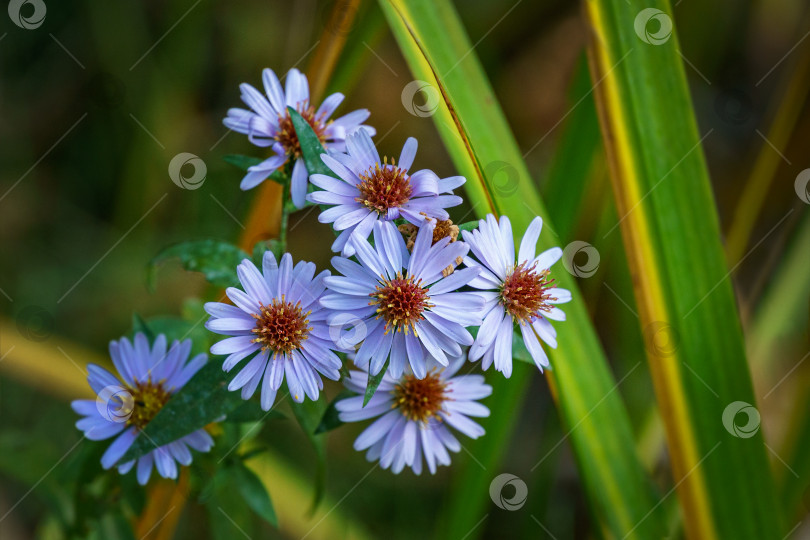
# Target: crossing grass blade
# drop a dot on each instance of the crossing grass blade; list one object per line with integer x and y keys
{"x": 474, "y": 130}
{"x": 671, "y": 234}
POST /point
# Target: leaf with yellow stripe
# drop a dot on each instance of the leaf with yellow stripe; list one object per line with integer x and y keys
{"x": 683, "y": 290}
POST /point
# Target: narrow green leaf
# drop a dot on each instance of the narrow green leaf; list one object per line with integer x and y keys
{"x": 374, "y": 383}
{"x": 244, "y": 162}
{"x": 251, "y": 411}
{"x": 201, "y": 401}
{"x": 579, "y": 149}
{"x": 241, "y": 161}
{"x": 215, "y": 259}
{"x": 139, "y": 325}
{"x": 311, "y": 146}
{"x": 683, "y": 289}
{"x": 254, "y": 493}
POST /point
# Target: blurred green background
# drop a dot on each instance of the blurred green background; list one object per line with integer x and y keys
{"x": 98, "y": 99}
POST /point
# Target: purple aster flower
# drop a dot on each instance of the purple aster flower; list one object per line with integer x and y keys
{"x": 268, "y": 124}
{"x": 125, "y": 405}
{"x": 415, "y": 416}
{"x": 371, "y": 189}
{"x": 516, "y": 291}
{"x": 279, "y": 316}
{"x": 403, "y": 300}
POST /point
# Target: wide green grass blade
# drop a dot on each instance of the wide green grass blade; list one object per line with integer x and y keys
{"x": 671, "y": 234}
{"x": 481, "y": 144}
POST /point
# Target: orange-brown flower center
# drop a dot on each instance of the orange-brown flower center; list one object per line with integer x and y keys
{"x": 524, "y": 292}
{"x": 147, "y": 400}
{"x": 281, "y": 326}
{"x": 384, "y": 187}
{"x": 400, "y": 302}
{"x": 420, "y": 399}
{"x": 286, "y": 131}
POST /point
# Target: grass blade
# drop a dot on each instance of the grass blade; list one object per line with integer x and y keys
{"x": 671, "y": 235}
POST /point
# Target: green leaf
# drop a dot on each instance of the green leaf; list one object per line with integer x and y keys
{"x": 202, "y": 400}
{"x": 682, "y": 284}
{"x": 252, "y": 490}
{"x": 468, "y": 226}
{"x": 331, "y": 419}
{"x": 309, "y": 413}
{"x": 374, "y": 383}
{"x": 175, "y": 328}
{"x": 251, "y": 411}
{"x": 474, "y": 130}
{"x": 311, "y": 146}
{"x": 139, "y": 325}
{"x": 241, "y": 161}
{"x": 579, "y": 149}
{"x": 215, "y": 259}
{"x": 245, "y": 162}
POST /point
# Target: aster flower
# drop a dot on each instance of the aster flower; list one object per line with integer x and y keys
{"x": 517, "y": 291}
{"x": 126, "y": 403}
{"x": 268, "y": 123}
{"x": 415, "y": 416}
{"x": 370, "y": 189}
{"x": 278, "y": 316}
{"x": 409, "y": 310}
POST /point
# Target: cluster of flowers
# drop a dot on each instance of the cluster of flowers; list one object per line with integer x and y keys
{"x": 402, "y": 304}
